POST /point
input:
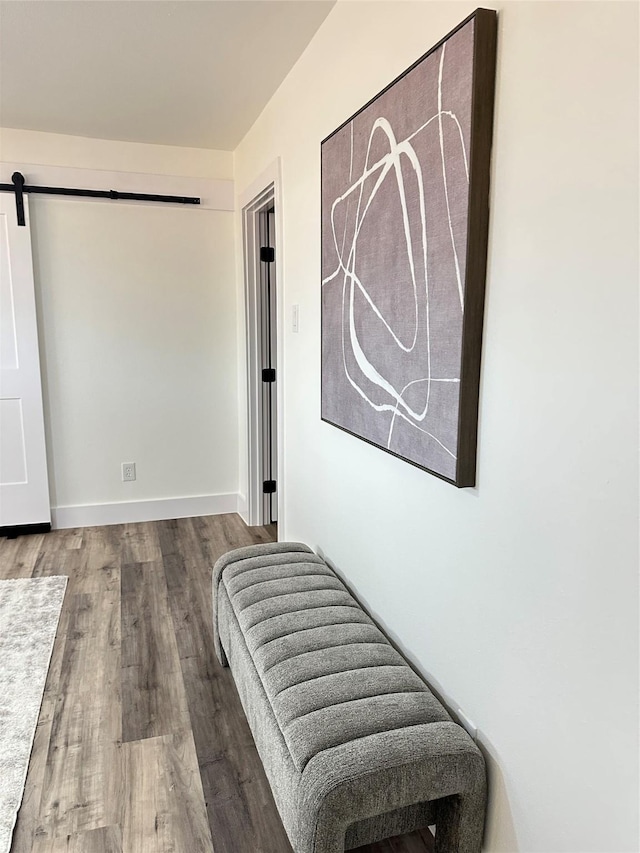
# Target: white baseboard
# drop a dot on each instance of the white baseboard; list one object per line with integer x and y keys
{"x": 243, "y": 508}
{"x": 94, "y": 515}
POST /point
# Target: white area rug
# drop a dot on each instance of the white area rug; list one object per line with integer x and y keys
{"x": 29, "y": 614}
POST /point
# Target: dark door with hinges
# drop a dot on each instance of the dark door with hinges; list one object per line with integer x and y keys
{"x": 269, "y": 378}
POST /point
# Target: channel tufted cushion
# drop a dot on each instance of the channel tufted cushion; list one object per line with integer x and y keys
{"x": 330, "y": 674}
{"x": 355, "y": 745}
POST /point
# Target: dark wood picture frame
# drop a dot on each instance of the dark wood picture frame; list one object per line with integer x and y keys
{"x": 477, "y": 230}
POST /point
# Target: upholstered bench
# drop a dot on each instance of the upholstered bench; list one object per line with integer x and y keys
{"x": 355, "y": 746}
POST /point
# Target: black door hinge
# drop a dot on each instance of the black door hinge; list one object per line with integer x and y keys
{"x": 267, "y": 254}
{"x": 268, "y": 374}
{"x": 269, "y": 487}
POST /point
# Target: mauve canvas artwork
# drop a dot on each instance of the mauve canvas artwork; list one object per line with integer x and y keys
{"x": 395, "y": 201}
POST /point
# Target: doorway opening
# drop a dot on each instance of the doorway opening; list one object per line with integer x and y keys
{"x": 259, "y": 225}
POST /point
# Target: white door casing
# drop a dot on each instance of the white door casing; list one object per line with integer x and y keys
{"x": 267, "y": 187}
{"x": 24, "y": 486}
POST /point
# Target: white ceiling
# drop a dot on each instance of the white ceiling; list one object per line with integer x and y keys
{"x": 176, "y": 72}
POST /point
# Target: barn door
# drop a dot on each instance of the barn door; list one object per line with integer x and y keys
{"x": 24, "y": 487}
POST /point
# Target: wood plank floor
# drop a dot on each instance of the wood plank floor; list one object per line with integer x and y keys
{"x": 142, "y": 745}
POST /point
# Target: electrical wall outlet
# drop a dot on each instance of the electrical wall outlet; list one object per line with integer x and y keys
{"x": 128, "y": 472}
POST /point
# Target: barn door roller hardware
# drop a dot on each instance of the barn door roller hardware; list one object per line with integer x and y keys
{"x": 19, "y": 187}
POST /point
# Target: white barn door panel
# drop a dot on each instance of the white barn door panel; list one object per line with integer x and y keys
{"x": 24, "y": 487}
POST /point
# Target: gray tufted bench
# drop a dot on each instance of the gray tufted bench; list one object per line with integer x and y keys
{"x": 355, "y": 746}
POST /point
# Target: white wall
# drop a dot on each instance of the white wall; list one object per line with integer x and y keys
{"x": 80, "y": 152}
{"x": 137, "y": 322}
{"x": 519, "y": 598}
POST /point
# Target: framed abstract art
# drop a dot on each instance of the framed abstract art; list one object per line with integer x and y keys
{"x": 405, "y": 217}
